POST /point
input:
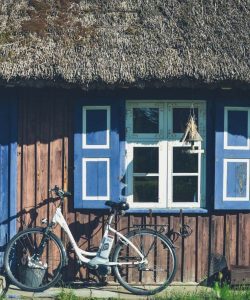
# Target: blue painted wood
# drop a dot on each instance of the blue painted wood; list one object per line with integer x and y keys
{"x": 96, "y": 126}
{"x": 166, "y": 211}
{"x": 8, "y": 170}
{"x": 237, "y": 132}
{"x": 236, "y": 179}
{"x": 96, "y": 178}
{"x": 237, "y": 128}
{"x": 112, "y": 153}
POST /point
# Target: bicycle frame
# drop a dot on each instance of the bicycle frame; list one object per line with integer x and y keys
{"x": 58, "y": 218}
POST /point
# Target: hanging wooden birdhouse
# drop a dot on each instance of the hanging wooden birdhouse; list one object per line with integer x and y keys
{"x": 191, "y": 135}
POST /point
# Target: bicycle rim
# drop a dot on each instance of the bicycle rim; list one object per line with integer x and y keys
{"x": 23, "y": 267}
{"x": 156, "y": 274}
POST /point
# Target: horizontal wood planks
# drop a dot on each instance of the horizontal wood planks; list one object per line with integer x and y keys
{"x": 46, "y": 158}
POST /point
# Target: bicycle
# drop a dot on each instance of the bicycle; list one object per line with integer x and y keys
{"x": 143, "y": 261}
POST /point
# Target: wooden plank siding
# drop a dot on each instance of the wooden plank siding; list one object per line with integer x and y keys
{"x": 46, "y": 158}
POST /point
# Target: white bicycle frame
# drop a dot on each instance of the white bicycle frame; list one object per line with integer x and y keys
{"x": 58, "y": 218}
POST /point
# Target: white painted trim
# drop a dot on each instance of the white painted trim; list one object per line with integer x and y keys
{"x": 84, "y": 176}
{"x": 84, "y": 135}
{"x": 171, "y": 203}
{"x": 200, "y": 105}
{"x": 130, "y": 175}
{"x": 225, "y": 162}
{"x": 226, "y": 146}
{"x": 129, "y": 121}
{"x": 165, "y": 173}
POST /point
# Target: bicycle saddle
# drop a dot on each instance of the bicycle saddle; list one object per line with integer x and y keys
{"x": 117, "y": 205}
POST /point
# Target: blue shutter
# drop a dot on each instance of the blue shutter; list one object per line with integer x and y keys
{"x": 232, "y": 160}
{"x": 8, "y": 170}
{"x": 97, "y": 143}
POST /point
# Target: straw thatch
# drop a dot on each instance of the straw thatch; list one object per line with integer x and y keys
{"x": 90, "y": 43}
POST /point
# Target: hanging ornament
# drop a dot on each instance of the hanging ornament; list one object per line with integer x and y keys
{"x": 191, "y": 134}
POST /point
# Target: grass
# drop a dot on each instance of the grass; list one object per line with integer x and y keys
{"x": 219, "y": 292}
{"x": 222, "y": 292}
{"x": 66, "y": 295}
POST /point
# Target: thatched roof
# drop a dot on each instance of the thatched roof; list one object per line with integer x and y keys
{"x": 91, "y": 43}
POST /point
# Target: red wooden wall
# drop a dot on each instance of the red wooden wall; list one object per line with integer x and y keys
{"x": 45, "y": 158}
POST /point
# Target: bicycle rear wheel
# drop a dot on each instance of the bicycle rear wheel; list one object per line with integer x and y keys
{"x": 153, "y": 276}
{"x": 26, "y": 267}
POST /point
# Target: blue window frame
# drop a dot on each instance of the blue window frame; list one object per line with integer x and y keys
{"x": 97, "y": 150}
{"x": 232, "y": 150}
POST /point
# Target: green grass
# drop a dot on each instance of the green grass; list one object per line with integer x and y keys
{"x": 66, "y": 295}
{"x": 219, "y": 292}
{"x": 222, "y": 292}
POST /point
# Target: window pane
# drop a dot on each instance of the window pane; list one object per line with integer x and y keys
{"x": 145, "y": 120}
{"x": 146, "y": 159}
{"x": 184, "y": 162}
{"x": 185, "y": 189}
{"x": 180, "y": 119}
{"x": 146, "y": 189}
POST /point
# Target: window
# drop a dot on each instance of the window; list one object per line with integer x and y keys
{"x": 161, "y": 173}
{"x": 232, "y": 172}
{"x": 96, "y": 154}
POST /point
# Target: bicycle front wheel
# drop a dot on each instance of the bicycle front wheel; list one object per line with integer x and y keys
{"x": 151, "y": 277}
{"x": 27, "y": 267}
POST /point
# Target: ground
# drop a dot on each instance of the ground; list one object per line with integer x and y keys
{"x": 106, "y": 292}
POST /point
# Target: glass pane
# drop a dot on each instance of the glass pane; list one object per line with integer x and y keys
{"x": 96, "y": 131}
{"x": 146, "y": 160}
{"x": 237, "y": 131}
{"x": 185, "y": 189}
{"x": 145, "y": 120}
{"x": 184, "y": 162}
{"x": 146, "y": 189}
{"x": 180, "y": 119}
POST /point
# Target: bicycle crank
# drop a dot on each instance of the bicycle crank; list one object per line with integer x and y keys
{"x": 103, "y": 270}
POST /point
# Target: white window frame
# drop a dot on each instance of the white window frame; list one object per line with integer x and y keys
{"x": 171, "y": 203}
{"x": 226, "y": 146}
{"x": 84, "y": 179}
{"x": 165, "y": 140}
{"x": 143, "y": 136}
{"x": 130, "y": 175}
{"x": 84, "y": 127}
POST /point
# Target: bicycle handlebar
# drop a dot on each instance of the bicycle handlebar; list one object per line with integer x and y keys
{"x": 59, "y": 192}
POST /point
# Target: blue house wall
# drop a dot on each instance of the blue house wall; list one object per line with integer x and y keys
{"x": 8, "y": 168}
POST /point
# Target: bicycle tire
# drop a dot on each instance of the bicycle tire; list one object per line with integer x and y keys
{"x": 28, "y": 278}
{"x": 4, "y": 285}
{"x": 137, "y": 278}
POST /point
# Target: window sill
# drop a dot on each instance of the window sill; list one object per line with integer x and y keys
{"x": 167, "y": 211}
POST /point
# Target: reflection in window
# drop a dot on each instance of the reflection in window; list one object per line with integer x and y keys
{"x": 184, "y": 162}
{"x": 146, "y": 189}
{"x": 146, "y": 170}
{"x": 185, "y": 189}
{"x": 145, "y": 120}
{"x": 146, "y": 160}
{"x": 180, "y": 119}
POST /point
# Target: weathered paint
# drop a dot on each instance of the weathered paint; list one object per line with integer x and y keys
{"x": 97, "y": 156}
{"x": 46, "y": 147}
{"x": 232, "y": 161}
{"x": 8, "y": 170}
